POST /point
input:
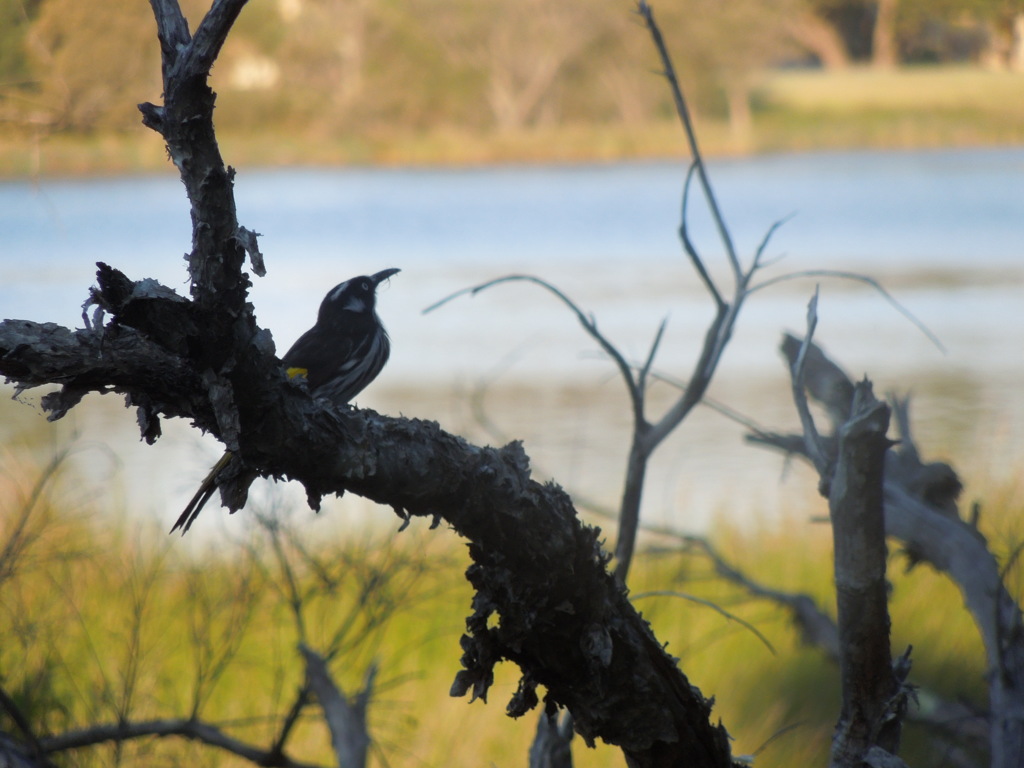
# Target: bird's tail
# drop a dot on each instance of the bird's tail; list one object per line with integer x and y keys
{"x": 206, "y": 490}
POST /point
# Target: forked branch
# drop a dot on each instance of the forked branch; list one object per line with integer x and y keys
{"x": 648, "y": 433}
{"x": 920, "y": 511}
{"x": 683, "y": 111}
{"x": 565, "y": 620}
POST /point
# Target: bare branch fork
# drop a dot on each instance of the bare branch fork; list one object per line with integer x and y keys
{"x": 346, "y": 716}
{"x": 649, "y": 434}
{"x": 564, "y": 620}
{"x": 920, "y": 511}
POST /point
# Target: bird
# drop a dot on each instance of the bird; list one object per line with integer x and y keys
{"x": 338, "y": 357}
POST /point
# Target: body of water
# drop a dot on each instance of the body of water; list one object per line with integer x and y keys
{"x": 942, "y": 230}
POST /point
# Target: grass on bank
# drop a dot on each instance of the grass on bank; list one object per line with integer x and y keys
{"x": 104, "y": 616}
{"x": 793, "y": 110}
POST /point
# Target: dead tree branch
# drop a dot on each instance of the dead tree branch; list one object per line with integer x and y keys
{"x": 196, "y": 730}
{"x": 683, "y": 111}
{"x": 345, "y": 716}
{"x": 813, "y": 444}
{"x": 816, "y": 628}
{"x": 851, "y": 478}
{"x": 950, "y": 720}
{"x": 564, "y": 620}
{"x": 649, "y": 433}
{"x": 921, "y": 513}
{"x": 873, "y": 700}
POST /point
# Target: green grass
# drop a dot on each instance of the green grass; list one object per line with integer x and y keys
{"x": 907, "y": 89}
{"x": 794, "y": 110}
{"x": 912, "y": 107}
{"x": 104, "y": 616}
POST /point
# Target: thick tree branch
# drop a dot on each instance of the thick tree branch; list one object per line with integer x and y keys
{"x": 112, "y": 359}
{"x": 544, "y": 597}
{"x": 219, "y": 287}
{"x": 562, "y": 617}
{"x": 873, "y": 703}
{"x": 852, "y": 478}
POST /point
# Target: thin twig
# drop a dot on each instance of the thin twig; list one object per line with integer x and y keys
{"x": 291, "y": 584}
{"x": 709, "y": 604}
{"x": 844, "y": 275}
{"x": 811, "y": 437}
{"x": 587, "y": 321}
{"x": 765, "y": 240}
{"x": 19, "y": 537}
{"x": 691, "y": 136}
{"x": 689, "y": 247}
{"x": 646, "y": 368}
{"x": 721, "y": 408}
{"x": 778, "y": 734}
{"x": 291, "y": 719}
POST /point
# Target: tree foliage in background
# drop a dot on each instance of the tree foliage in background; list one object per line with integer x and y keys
{"x": 480, "y": 66}
{"x": 543, "y": 598}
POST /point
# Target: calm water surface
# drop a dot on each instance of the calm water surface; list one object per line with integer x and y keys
{"x": 943, "y": 231}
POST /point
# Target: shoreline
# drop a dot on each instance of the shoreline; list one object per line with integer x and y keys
{"x": 911, "y": 108}
{"x": 78, "y": 157}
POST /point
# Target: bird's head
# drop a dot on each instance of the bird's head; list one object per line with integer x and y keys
{"x": 358, "y": 295}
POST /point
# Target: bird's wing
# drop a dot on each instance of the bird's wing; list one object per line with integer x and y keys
{"x": 319, "y": 355}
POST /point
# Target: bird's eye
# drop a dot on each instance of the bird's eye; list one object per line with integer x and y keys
{"x": 366, "y": 285}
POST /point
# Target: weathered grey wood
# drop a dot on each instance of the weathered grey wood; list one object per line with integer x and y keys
{"x": 873, "y": 702}
{"x": 921, "y": 513}
{"x": 345, "y": 715}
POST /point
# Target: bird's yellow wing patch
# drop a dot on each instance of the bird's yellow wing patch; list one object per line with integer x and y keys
{"x": 294, "y": 373}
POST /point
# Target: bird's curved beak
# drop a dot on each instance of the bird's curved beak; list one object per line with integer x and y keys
{"x": 383, "y": 275}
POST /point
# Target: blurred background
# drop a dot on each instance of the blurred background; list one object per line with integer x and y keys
{"x": 428, "y": 81}
{"x": 462, "y": 141}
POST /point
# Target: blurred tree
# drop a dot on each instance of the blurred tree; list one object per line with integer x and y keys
{"x": 720, "y": 48}
{"x": 325, "y": 47}
{"x": 819, "y": 37}
{"x": 15, "y": 16}
{"x": 378, "y": 67}
{"x": 835, "y": 32}
{"x": 980, "y": 31}
{"x": 93, "y": 62}
{"x": 990, "y": 32}
{"x": 884, "y": 47}
{"x": 521, "y": 47}
{"x": 15, "y": 73}
{"x": 888, "y": 32}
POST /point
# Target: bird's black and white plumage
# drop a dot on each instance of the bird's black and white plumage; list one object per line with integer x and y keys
{"x": 348, "y": 346}
{"x": 338, "y": 357}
